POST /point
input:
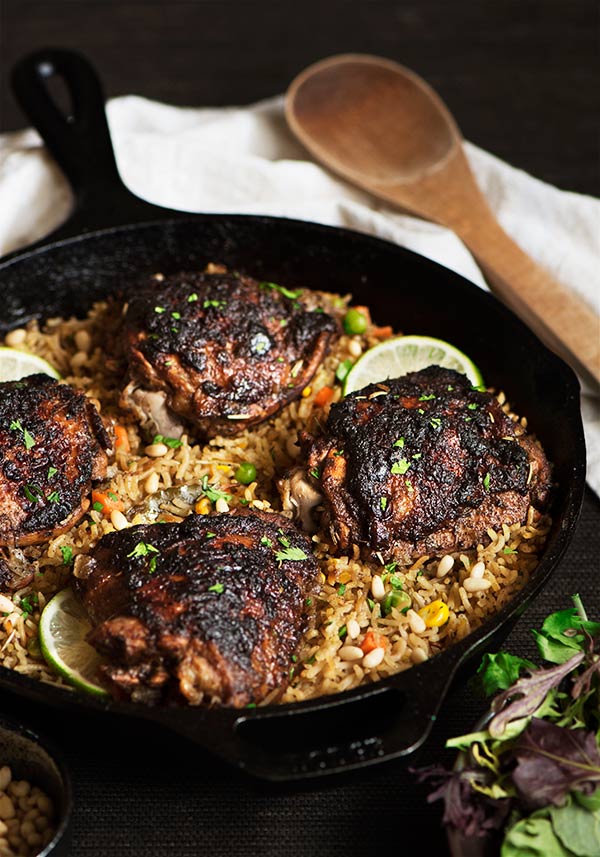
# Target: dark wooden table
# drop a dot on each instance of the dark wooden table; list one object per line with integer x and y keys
{"x": 522, "y": 78}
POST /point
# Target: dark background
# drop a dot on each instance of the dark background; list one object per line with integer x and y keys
{"x": 522, "y": 78}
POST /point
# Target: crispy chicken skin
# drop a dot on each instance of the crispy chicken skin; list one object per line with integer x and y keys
{"x": 52, "y": 446}
{"x": 199, "y": 610}
{"x": 218, "y": 351}
{"x": 423, "y": 464}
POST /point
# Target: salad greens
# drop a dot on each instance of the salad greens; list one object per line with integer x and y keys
{"x": 532, "y": 776}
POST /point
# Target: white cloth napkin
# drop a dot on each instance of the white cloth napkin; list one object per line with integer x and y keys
{"x": 246, "y": 160}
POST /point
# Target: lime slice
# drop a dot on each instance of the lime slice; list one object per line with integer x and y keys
{"x": 395, "y": 357}
{"x": 63, "y": 629}
{"x": 15, "y": 365}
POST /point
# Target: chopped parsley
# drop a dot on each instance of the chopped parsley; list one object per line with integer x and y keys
{"x": 338, "y": 453}
{"x": 33, "y": 493}
{"x": 171, "y": 442}
{"x": 400, "y": 442}
{"x": 396, "y": 582}
{"x": 409, "y": 486}
{"x": 509, "y": 550}
{"x": 193, "y": 297}
{"x": 290, "y": 554}
{"x": 342, "y": 632}
{"x": 426, "y": 398}
{"x": 67, "y": 554}
{"x": 266, "y": 542}
{"x": 283, "y": 539}
{"x": 97, "y": 506}
{"x": 308, "y": 603}
{"x": 371, "y": 604}
{"x": 435, "y": 422}
{"x": 176, "y": 315}
{"x": 213, "y": 493}
{"x": 486, "y": 481}
{"x": 159, "y": 309}
{"x": 450, "y": 388}
{"x": 28, "y": 603}
{"x": 383, "y": 501}
{"x": 211, "y": 535}
{"x": 287, "y": 293}
{"x": 27, "y": 438}
{"x": 54, "y": 497}
{"x": 52, "y": 471}
{"x": 472, "y": 406}
{"x": 217, "y": 587}
{"x": 342, "y": 370}
{"x": 400, "y": 467}
{"x": 214, "y": 303}
{"x": 315, "y": 473}
{"x": 143, "y": 549}
{"x": 390, "y": 567}
{"x": 341, "y": 589}
{"x": 417, "y": 455}
{"x": 420, "y": 411}
{"x": 112, "y": 496}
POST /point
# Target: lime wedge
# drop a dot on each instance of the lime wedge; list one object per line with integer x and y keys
{"x": 15, "y": 365}
{"x": 63, "y": 629}
{"x": 396, "y": 357}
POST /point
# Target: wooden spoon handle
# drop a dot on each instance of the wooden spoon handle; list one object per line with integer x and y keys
{"x": 561, "y": 319}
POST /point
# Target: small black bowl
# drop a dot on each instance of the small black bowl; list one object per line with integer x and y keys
{"x": 33, "y": 758}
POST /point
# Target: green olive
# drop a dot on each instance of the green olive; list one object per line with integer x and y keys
{"x": 246, "y": 473}
{"x": 354, "y": 322}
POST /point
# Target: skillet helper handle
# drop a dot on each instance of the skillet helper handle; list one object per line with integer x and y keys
{"x": 79, "y": 140}
{"x": 333, "y": 735}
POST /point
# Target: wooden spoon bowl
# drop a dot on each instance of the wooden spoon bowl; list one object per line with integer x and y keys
{"x": 382, "y": 127}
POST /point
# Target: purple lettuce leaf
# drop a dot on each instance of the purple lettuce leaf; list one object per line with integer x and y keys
{"x": 552, "y": 760}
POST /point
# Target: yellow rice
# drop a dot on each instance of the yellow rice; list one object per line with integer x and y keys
{"x": 345, "y": 581}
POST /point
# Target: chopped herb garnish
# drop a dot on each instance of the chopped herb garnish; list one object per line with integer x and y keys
{"x": 315, "y": 473}
{"x": 400, "y": 442}
{"x": 509, "y": 550}
{"x": 342, "y": 370}
{"x": 67, "y": 555}
{"x": 159, "y": 309}
{"x": 53, "y": 497}
{"x": 215, "y": 304}
{"x": 290, "y": 555}
{"x": 28, "y": 603}
{"x": 280, "y": 360}
{"x": 211, "y": 535}
{"x": 216, "y": 587}
{"x": 308, "y": 603}
{"x": 27, "y": 438}
{"x": 400, "y": 467}
{"x": 266, "y": 542}
{"x": 171, "y": 442}
{"x": 143, "y": 549}
{"x": 420, "y": 411}
{"x": 176, "y": 315}
{"x": 193, "y": 297}
{"x": 311, "y": 660}
{"x": 287, "y": 293}
{"x": 486, "y": 481}
{"x": 338, "y": 452}
{"x": 396, "y": 582}
{"x": 390, "y": 567}
{"x": 212, "y": 492}
{"x": 152, "y": 566}
{"x": 472, "y": 406}
{"x": 426, "y": 398}
{"x": 251, "y": 705}
{"x": 383, "y": 501}
{"x": 294, "y": 659}
{"x": 371, "y": 604}
{"x": 341, "y": 589}
{"x": 417, "y": 455}
{"x": 449, "y": 388}
{"x": 33, "y": 493}
{"x": 409, "y": 486}
{"x": 52, "y": 471}
{"x": 435, "y": 422}
{"x": 342, "y": 632}
{"x": 283, "y": 539}
{"x": 97, "y": 506}
{"x": 112, "y": 496}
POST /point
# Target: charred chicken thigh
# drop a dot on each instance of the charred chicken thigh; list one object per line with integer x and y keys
{"x": 420, "y": 465}
{"x": 208, "y": 609}
{"x": 52, "y": 446}
{"x": 218, "y": 351}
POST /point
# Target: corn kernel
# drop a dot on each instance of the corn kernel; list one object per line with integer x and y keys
{"x": 345, "y": 577}
{"x": 435, "y": 614}
{"x": 306, "y": 392}
{"x": 202, "y": 507}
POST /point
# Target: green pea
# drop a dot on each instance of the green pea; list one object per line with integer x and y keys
{"x": 246, "y": 473}
{"x": 400, "y": 600}
{"x": 354, "y": 322}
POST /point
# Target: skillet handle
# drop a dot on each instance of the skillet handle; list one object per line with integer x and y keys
{"x": 79, "y": 141}
{"x": 330, "y": 736}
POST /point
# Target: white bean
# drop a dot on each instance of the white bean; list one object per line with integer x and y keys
{"x": 118, "y": 520}
{"x": 477, "y": 571}
{"x": 5, "y": 777}
{"x": 377, "y": 588}
{"x": 83, "y": 340}
{"x": 374, "y": 658}
{"x": 6, "y": 605}
{"x": 156, "y": 450}
{"x": 416, "y": 622}
{"x": 15, "y": 337}
{"x": 350, "y": 653}
{"x": 221, "y": 505}
{"x": 445, "y": 565}
{"x": 352, "y": 629}
{"x": 151, "y": 483}
{"x": 7, "y": 808}
{"x": 472, "y": 584}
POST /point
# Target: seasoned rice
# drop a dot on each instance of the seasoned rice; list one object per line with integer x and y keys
{"x": 510, "y": 556}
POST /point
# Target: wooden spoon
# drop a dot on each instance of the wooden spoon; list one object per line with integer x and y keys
{"x": 381, "y": 126}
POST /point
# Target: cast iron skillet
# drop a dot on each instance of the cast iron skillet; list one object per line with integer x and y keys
{"x": 371, "y": 723}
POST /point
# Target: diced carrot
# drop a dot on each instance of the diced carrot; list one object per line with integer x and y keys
{"x": 107, "y": 500}
{"x": 373, "y": 640}
{"x": 382, "y": 332}
{"x": 121, "y": 439}
{"x": 324, "y": 396}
